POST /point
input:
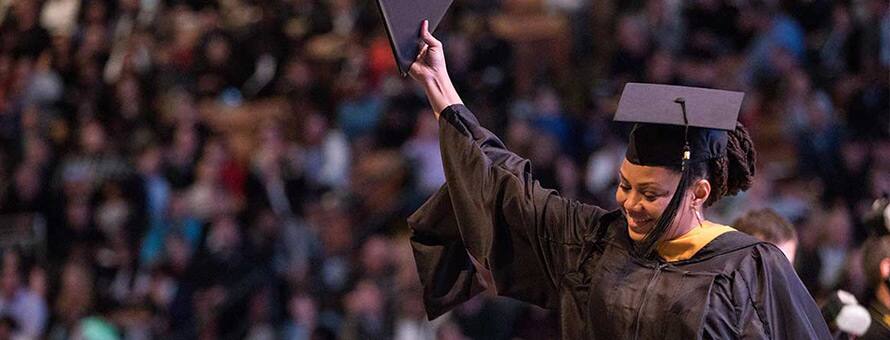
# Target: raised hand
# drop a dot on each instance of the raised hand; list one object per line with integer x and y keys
{"x": 429, "y": 70}
{"x": 430, "y": 62}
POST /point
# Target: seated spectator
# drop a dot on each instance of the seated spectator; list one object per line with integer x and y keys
{"x": 17, "y": 301}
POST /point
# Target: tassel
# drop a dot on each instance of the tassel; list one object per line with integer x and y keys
{"x": 649, "y": 243}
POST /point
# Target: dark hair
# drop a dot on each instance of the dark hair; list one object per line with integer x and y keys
{"x": 874, "y": 250}
{"x": 732, "y": 173}
{"x": 766, "y": 225}
{"x": 728, "y": 176}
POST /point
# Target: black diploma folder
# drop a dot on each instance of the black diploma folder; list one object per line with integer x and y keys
{"x": 402, "y": 19}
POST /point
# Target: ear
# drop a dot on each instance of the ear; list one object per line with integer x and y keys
{"x": 884, "y": 268}
{"x": 701, "y": 190}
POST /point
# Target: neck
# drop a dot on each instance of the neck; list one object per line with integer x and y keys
{"x": 685, "y": 229}
{"x": 883, "y": 295}
{"x": 682, "y": 231}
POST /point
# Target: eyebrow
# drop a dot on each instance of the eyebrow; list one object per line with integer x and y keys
{"x": 643, "y": 185}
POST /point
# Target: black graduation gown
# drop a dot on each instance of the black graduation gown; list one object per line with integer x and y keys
{"x": 575, "y": 258}
{"x": 880, "y": 322}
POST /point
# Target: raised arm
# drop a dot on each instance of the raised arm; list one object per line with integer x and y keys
{"x": 490, "y": 212}
{"x": 429, "y": 70}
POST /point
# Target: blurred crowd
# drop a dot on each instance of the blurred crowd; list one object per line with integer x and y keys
{"x": 227, "y": 169}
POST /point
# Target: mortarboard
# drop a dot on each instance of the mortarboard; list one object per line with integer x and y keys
{"x": 662, "y": 114}
{"x": 675, "y": 126}
{"x": 402, "y": 19}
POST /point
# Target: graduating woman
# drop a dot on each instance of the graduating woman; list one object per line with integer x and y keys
{"x": 653, "y": 269}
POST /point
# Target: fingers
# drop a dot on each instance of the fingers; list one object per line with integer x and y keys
{"x": 427, "y": 36}
{"x": 422, "y": 53}
{"x": 417, "y": 66}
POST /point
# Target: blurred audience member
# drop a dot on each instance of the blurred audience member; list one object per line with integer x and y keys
{"x": 767, "y": 225}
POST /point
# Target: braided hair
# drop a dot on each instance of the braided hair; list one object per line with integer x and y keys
{"x": 728, "y": 176}
{"x": 732, "y": 173}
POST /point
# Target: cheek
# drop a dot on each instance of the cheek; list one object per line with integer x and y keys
{"x": 620, "y": 197}
{"x": 654, "y": 209}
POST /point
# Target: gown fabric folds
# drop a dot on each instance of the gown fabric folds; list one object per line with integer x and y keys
{"x": 576, "y": 259}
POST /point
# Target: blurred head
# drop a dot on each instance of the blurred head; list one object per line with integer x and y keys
{"x": 631, "y": 34}
{"x": 92, "y": 137}
{"x": 37, "y": 150}
{"x": 75, "y": 298}
{"x": 297, "y": 74}
{"x": 366, "y": 300}
{"x": 378, "y": 177}
{"x": 185, "y": 140}
{"x": 375, "y": 255}
{"x": 545, "y": 149}
{"x": 837, "y": 226}
{"x": 78, "y": 214}
{"x": 225, "y": 235}
{"x": 767, "y": 225}
{"x": 28, "y": 183}
{"x": 149, "y": 159}
{"x": 876, "y": 261}
{"x": 660, "y": 67}
{"x": 178, "y": 252}
{"x": 314, "y": 128}
{"x": 333, "y": 223}
{"x": 11, "y": 279}
{"x": 757, "y": 15}
{"x": 218, "y": 50}
{"x": 820, "y": 111}
{"x": 25, "y": 12}
{"x": 303, "y": 310}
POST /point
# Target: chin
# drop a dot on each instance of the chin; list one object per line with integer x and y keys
{"x": 636, "y": 235}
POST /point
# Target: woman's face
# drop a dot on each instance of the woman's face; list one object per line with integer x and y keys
{"x": 643, "y": 193}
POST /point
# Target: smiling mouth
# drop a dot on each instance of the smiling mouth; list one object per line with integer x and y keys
{"x": 640, "y": 223}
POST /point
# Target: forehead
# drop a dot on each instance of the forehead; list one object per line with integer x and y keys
{"x": 648, "y": 174}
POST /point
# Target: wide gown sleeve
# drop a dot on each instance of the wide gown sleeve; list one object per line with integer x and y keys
{"x": 492, "y": 212}
{"x": 783, "y": 309}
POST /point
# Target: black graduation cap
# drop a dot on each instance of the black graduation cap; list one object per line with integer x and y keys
{"x": 669, "y": 116}
{"x": 675, "y": 126}
{"x": 402, "y": 19}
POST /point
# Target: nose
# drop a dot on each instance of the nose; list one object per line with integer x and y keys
{"x": 632, "y": 203}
